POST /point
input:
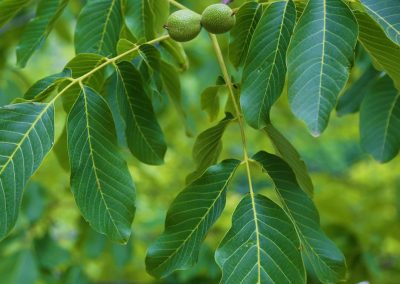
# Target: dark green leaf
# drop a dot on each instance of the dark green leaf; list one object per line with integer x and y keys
{"x": 26, "y": 136}
{"x": 247, "y": 18}
{"x": 140, "y": 18}
{"x": 39, "y": 28}
{"x": 100, "y": 180}
{"x": 208, "y": 147}
{"x": 319, "y": 59}
{"x": 351, "y": 100}
{"x": 61, "y": 150}
{"x": 265, "y": 67}
{"x": 42, "y": 88}
{"x": 387, "y": 14}
{"x": 9, "y": 8}
{"x": 286, "y": 150}
{"x": 318, "y": 250}
{"x": 143, "y": 133}
{"x": 383, "y": 51}
{"x": 261, "y": 247}
{"x": 98, "y": 27}
{"x": 380, "y": 120}
{"x": 188, "y": 220}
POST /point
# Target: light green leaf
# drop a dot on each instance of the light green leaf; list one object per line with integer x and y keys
{"x": 208, "y": 147}
{"x": 317, "y": 249}
{"x": 265, "y": 67}
{"x": 100, "y": 180}
{"x": 43, "y": 88}
{"x": 319, "y": 59}
{"x": 98, "y": 27}
{"x": 382, "y": 50}
{"x": 286, "y": 150}
{"x": 160, "y": 10}
{"x": 380, "y": 120}
{"x": 247, "y": 18}
{"x": 261, "y": 247}
{"x": 177, "y": 52}
{"x": 210, "y": 101}
{"x": 26, "y": 136}
{"x": 143, "y": 133}
{"x": 9, "y": 8}
{"x": 140, "y": 18}
{"x": 123, "y": 46}
{"x": 387, "y": 14}
{"x": 188, "y": 220}
{"x": 39, "y": 28}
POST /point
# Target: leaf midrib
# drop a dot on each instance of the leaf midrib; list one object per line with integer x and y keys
{"x": 91, "y": 154}
{"x": 201, "y": 219}
{"x": 103, "y": 33}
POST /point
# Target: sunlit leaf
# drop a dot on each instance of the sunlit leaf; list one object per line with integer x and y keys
{"x": 98, "y": 27}
{"x": 319, "y": 252}
{"x": 9, "y": 8}
{"x": 380, "y": 120}
{"x": 387, "y": 14}
{"x": 39, "y": 28}
{"x": 319, "y": 60}
{"x": 188, "y": 220}
{"x": 286, "y": 150}
{"x": 261, "y": 247}
{"x": 383, "y": 51}
{"x": 100, "y": 180}
{"x": 210, "y": 101}
{"x": 247, "y": 18}
{"x": 143, "y": 133}
{"x": 26, "y": 136}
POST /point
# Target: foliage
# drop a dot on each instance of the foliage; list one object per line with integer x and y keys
{"x": 110, "y": 105}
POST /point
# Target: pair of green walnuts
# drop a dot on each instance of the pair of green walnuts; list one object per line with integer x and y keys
{"x": 185, "y": 25}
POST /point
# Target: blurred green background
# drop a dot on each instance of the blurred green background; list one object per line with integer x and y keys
{"x": 358, "y": 198}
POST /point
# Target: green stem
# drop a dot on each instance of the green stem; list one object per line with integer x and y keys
{"x": 107, "y": 61}
{"x": 246, "y": 159}
{"x": 178, "y": 5}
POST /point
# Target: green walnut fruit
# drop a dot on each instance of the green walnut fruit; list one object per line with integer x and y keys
{"x": 218, "y": 19}
{"x": 183, "y": 25}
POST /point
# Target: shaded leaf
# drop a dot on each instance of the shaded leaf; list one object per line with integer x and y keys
{"x": 380, "y": 120}
{"x": 140, "y": 18}
{"x": 43, "y": 88}
{"x": 19, "y": 268}
{"x": 61, "y": 150}
{"x": 208, "y": 147}
{"x": 318, "y": 251}
{"x": 319, "y": 59}
{"x": 9, "y": 8}
{"x": 382, "y": 50}
{"x": 286, "y": 150}
{"x": 188, "y": 220}
{"x": 177, "y": 52}
{"x": 26, "y": 136}
{"x": 98, "y": 27}
{"x": 387, "y": 14}
{"x": 261, "y": 247}
{"x": 143, "y": 133}
{"x": 100, "y": 181}
{"x": 39, "y": 28}
{"x": 247, "y": 18}
{"x": 351, "y": 100}
{"x": 210, "y": 102}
